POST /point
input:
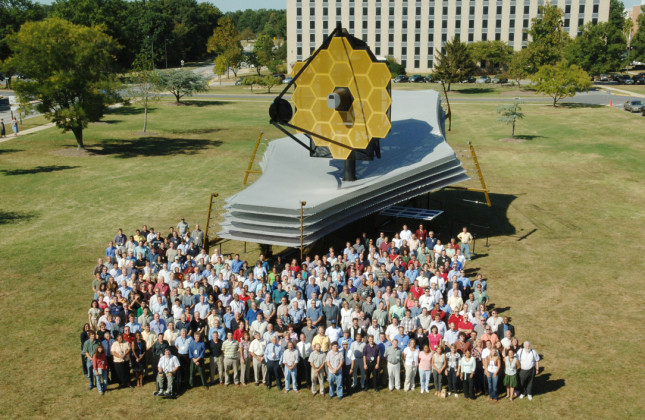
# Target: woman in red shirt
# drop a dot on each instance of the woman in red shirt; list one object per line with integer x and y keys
{"x": 239, "y": 333}
{"x": 434, "y": 338}
{"x": 100, "y": 366}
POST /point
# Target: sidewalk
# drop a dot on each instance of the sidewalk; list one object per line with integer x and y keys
{"x": 624, "y": 92}
{"x": 10, "y": 135}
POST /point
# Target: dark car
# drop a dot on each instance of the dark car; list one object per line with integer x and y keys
{"x": 627, "y": 80}
{"x": 279, "y": 76}
{"x": 499, "y": 79}
{"x": 483, "y": 79}
{"x": 468, "y": 80}
{"x": 417, "y": 78}
{"x": 401, "y": 78}
{"x": 633, "y": 106}
{"x": 639, "y": 79}
{"x": 429, "y": 79}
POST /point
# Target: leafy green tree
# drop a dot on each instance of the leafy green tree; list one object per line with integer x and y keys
{"x": 519, "y": 66}
{"x": 559, "y": 81}
{"x": 395, "y": 67}
{"x": 68, "y": 66}
{"x": 510, "y": 114}
{"x": 454, "y": 62}
{"x": 269, "y": 82}
{"x": 182, "y": 82}
{"x": 225, "y": 41}
{"x": 548, "y": 38}
{"x": 493, "y": 54}
{"x": 264, "y": 49}
{"x": 145, "y": 81}
{"x": 252, "y": 61}
{"x": 599, "y": 49}
{"x": 251, "y": 81}
{"x": 247, "y": 34}
{"x": 638, "y": 41}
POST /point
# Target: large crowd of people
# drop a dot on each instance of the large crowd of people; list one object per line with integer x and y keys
{"x": 376, "y": 314}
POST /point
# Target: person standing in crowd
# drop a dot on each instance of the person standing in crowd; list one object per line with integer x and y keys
{"x": 216, "y": 358}
{"x": 85, "y": 335}
{"x": 245, "y": 358}
{"x": 231, "y": 350}
{"x": 290, "y": 358}
{"x": 371, "y": 360}
{"x": 257, "y": 349}
{"x": 317, "y": 363}
{"x": 466, "y": 372}
{"x": 438, "y": 368}
{"x": 100, "y": 367}
{"x": 452, "y": 365}
{"x": 166, "y": 371}
{"x": 335, "y": 360}
{"x": 273, "y": 354}
{"x": 139, "y": 358}
{"x": 529, "y": 366}
{"x": 511, "y": 365}
{"x": 14, "y": 126}
{"x": 3, "y": 129}
{"x": 304, "y": 370}
{"x": 182, "y": 343}
{"x": 121, "y": 355}
{"x": 492, "y": 366}
{"x": 196, "y": 350}
{"x": 425, "y": 368}
{"x": 410, "y": 362}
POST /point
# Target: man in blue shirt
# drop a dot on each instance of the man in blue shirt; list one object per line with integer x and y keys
{"x": 311, "y": 288}
{"x": 402, "y": 338}
{"x": 278, "y": 294}
{"x": 236, "y": 265}
{"x": 182, "y": 343}
{"x": 411, "y": 273}
{"x": 196, "y": 350}
{"x": 297, "y": 315}
{"x": 315, "y": 313}
{"x": 135, "y": 327}
{"x": 273, "y": 355}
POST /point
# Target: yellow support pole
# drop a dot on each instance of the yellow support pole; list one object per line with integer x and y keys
{"x": 255, "y": 150}
{"x": 208, "y": 221}
{"x": 302, "y": 227}
{"x": 479, "y": 172}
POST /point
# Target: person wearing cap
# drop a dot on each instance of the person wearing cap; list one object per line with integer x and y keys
{"x": 335, "y": 361}
{"x": 317, "y": 363}
{"x": 529, "y": 366}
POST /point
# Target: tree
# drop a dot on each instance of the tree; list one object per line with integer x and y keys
{"x": 252, "y": 60}
{"x": 395, "y": 67}
{"x": 145, "y": 83}
{"x": 68, "y": 67}
{"x": 182, "y": 82}
{"x": 269, "y": 82}
{"x": 510, "y": 114}
{"x": 637, "y": 44}
{"x": 251, "y": 80}
{"x": 493, "y": 54}
{"x": 247, "y": 34}
{"x": 599, "y": 49}
{"x": 454, "y": 62}
{"x": 225, "y": 41}
{"x": 264, "y": 51}
{"x": 519, "y": 66}
{"x": 559, "y": 81}
{"x": 548, "y": 38}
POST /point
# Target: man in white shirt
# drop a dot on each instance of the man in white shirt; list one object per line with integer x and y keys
{"x": 333, "y": 332}
{"x": 406, "y": 234}
{"x": 256, "y": 349}
{"x": 167, "y": 368}
{"x": 529, "y": 366}
{"x": 426, "y": 300}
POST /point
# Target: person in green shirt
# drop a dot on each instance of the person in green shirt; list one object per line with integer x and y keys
{"x": 89, "y": 348}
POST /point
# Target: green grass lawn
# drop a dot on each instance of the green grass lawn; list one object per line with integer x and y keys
{"x": 568, "y": 209}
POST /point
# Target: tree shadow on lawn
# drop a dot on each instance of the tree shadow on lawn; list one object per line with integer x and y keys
{"x": 3, "y": 151}
{"x": 127, "y": 110}
{"x": 527, "y": 137}
{"x": 7, "y": 217}
{"x": 201, "y": 103}
{"x": 475, "y": 90}
{"x": 196, "y": 131}
{"x": 574, "y": 105}
{"x": 153, "y": 146}
{"x": 37, "y": 170}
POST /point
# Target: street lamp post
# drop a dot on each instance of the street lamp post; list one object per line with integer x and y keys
{"x": 302, "y": 227}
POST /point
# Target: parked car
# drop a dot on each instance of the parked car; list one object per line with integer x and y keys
{"x": 279, "y": 76}
{"x": 639, "y": 79}
{"x": 287, "y": 80}
{"x": 401, "y": 78}
{"x": 483, "y": 79}
{"x": 633, "y": 106}
{"x": 417, "y": 78}
{"x": 429, "y": 79}
{"x": 603, "y": 78}
{"x": 627, "y": 80}
{"x": 499, "y": 79}
{"x": 468, "y": 80}
{"x": 643, "y": 110}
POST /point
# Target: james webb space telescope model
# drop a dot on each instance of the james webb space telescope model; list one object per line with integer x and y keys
{"x": 345, "y": 112}
{"x": 342, "y": 100}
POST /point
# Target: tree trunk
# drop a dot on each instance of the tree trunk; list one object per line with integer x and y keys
{"x": 513, "y": 131}
{"x": 78, "y": 133}
{"x": 145, "y": 117}
{"x": 555, "y": 101}
{"x": 445, "y": 93}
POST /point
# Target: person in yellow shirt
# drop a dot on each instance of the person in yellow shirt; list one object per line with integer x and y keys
{"x": 466, "y": 239}
{"x": 321, "y": 339}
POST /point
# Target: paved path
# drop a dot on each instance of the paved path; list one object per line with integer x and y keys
{"x": 10, "y": 135}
